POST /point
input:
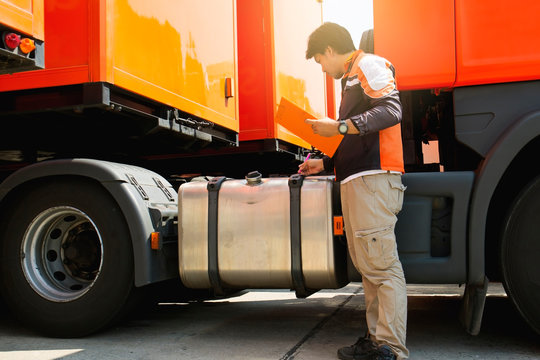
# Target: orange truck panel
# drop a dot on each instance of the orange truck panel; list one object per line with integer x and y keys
{"x": 167, "y": 54}
{"x": 497, "y": 41}
{"x": 25, "y": 16}
{"x": 272, "y": 39}
{"x": 447, "y": 43}
{"x": 417, "y": 36}
{"x": 297, "y": 79}
{"x": 180, "y": 54}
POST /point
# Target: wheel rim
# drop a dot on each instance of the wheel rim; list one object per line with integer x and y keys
{"x": 61, "y": 253}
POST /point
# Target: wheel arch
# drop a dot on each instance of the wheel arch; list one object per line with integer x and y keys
{"x": 495, "y": 177}
{"x": 142, "y": 217}
{"x": 518, "y": 174}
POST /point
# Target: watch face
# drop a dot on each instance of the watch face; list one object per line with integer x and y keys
{"x": 343, "y": 128}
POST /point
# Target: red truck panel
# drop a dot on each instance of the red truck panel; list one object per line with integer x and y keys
{"x": 66, "y": 48}
{"x": 272, "y": 39}
{"x": 255, "y": 70}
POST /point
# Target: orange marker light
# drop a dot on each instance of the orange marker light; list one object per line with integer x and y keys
{"x": 155, "y": 241}
{"x": 27, "y": 45}
{"x": 338, "y": 225}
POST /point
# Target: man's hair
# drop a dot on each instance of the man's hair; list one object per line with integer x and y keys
{"x": 329, "y": 34}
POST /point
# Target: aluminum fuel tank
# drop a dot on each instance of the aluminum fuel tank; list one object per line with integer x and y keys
{"x": 253, "y": 236}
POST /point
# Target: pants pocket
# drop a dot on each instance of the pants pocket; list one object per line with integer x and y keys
{"x": 395, "y": 194}
{"x": 379, "y": 247}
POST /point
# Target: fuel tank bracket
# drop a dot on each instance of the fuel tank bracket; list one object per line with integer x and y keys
{"x": 295, "y": 186}
{"x": 213, "y": 271}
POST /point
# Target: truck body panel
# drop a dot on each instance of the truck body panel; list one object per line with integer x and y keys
{"x": 484, "y": 113}
{"x": 21, "y": 35}
{"x": 496, "y": 42}
{"x": 272, "y": 65}
{"x": 401, "y": 31}
{"x": 164, "y": 55}
{"x": 168, "y": 55}
{"x": 452, "y": 43}
{"x": 296, "y": 79}
{"x": 23, "y": 15}
{"x": 431, "y": 231}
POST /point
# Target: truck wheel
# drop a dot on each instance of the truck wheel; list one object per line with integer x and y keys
{"x": 520, "y": 254}
{"x": 67, "y": 263}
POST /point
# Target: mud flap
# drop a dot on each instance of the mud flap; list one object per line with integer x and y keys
{"x": 472, "y": 306}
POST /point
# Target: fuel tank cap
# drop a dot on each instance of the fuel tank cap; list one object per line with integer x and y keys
{"x": 254, "y": 178}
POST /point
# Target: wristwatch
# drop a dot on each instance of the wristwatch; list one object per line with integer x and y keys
{"x": 343, "y": 128}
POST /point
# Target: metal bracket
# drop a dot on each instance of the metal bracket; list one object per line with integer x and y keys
{"x": 196, "y": 124}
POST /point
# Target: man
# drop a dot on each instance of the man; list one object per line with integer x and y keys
{"x": 368, "y": 163}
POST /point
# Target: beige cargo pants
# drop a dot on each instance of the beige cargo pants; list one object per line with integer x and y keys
{"x": 370, "y": 204}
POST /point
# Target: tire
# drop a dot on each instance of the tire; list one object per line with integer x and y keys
{"x": 67, "y": 268}
{"x": 520, "y": 254}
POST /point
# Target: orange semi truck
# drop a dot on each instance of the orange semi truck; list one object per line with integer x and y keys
{"x": 122, "y": 103}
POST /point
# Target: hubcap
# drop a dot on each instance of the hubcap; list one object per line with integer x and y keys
{"x": 61, "y": 253}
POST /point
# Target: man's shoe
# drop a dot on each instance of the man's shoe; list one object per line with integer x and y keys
{"x": 383, "y": 353}
{"x": 362, "y": 349}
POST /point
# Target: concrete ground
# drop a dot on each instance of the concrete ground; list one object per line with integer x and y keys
{"x": 273, "y": 324}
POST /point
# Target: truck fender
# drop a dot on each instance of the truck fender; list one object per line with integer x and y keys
{"x": 145, "y": 198}
{"x": 489, "y": 175}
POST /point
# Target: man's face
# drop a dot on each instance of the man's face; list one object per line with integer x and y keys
{"x": 330, "y": 63}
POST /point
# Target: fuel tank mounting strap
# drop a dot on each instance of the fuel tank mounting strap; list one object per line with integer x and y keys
{"x": 213, "y": 271}
{"x": 295, "y": 187}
